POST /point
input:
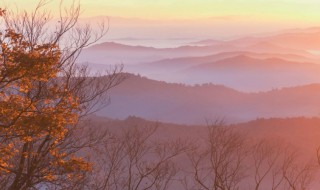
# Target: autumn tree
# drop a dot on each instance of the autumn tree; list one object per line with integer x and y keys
{"x": 44, "y": 95}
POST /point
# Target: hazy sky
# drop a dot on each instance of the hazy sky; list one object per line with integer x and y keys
{"x": 194, "y": 18}
{"x": 299, "y": 10}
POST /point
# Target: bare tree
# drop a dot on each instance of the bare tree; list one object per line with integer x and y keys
{"x": 220, "y": 163}
{"x": 297, "y": 173}
{"x": 279, "y": 166}
{"x": 226, "y": 160}
{"x": 133, "y": 159}
{"x": 266, "y": 157}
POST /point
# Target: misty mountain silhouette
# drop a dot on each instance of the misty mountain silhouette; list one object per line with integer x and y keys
{"x": 300, "y": 132}
{"x": 180, "y": 103}
{"x": 246, "y": 64}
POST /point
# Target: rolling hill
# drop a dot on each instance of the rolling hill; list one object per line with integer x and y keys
{"x": 168, "y": 102}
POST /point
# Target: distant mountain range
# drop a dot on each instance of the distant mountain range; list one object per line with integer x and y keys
{"x": 246, "y": 64}
{"x": 297, "y": 42}
{"x": 111, "y": 52}
{"x": 298, "y": 39}
{"x": 242, "y": 70}
{"x": 179, "y": 103}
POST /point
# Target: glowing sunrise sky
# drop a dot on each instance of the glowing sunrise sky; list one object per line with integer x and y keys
{"x": 302, "y": 10}
{"x": 198, "y": 19}
{"x": 299, "y": 10}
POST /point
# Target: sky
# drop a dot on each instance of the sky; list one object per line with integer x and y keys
{"x": 298, "y": 10}
{"x": 197, "y": 19}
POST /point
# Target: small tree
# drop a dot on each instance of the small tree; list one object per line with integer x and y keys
{"x": 276, "y": 166}
{"x": 43, "y": 95}
{"x": 226, "y": 160}
{"x": 134, "y": 160}
{"x": 219, "y": 162}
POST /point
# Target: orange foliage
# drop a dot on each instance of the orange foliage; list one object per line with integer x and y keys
{"x": 33, "y": 107}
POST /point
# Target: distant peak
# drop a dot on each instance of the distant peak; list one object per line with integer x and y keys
{"x": 240, "y": 57}
{"x": 115, "y": 45}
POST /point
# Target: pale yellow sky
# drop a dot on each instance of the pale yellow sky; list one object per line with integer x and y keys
{"x": 203, "y": 8}
{"x": 192, "y": 18}
{"x": 298, "y": 10}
